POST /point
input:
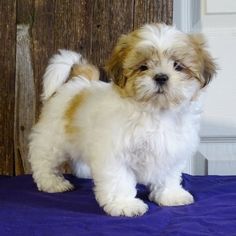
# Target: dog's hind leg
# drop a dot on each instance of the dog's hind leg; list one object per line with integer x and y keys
{"x": 46, "y": 156}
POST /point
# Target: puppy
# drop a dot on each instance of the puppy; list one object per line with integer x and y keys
{"x": 140, "y": 128}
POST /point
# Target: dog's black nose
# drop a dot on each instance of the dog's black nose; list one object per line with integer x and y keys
{"x": 161, "y": 79}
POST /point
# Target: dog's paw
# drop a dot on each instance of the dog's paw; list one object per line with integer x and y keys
{"x": 126, "y": 207}
{"x": 54, "y": 184}
{"x": 177, "y": 197}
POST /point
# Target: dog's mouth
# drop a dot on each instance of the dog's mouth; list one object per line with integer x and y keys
{"x": 160, "y": 90}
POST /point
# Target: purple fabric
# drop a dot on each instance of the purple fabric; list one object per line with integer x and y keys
{"x": 25, "y": 211}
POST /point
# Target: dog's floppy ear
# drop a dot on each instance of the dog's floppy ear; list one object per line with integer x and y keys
{"x": 208, "y": 65}
{"x": 114, "y": 66}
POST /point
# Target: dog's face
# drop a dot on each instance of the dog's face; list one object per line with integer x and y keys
{"x": 160, "y": 65}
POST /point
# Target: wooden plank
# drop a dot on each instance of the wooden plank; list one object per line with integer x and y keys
{"x": 152, "y": 11}
{"x": 42, "y": 43}
{"x": 25, "y": 104}
{"x": 110, "y": 20}
{"x": 7, "y": 84}
{"x": 25, "y": 99}
{"x": 60, "y": 28}
{"x": 80, "y": 28}
{"x": 73, "y": 20}
{"x": 25, "y": 12}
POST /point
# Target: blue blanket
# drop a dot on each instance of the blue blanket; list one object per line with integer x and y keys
{"x": 25, "y": 211}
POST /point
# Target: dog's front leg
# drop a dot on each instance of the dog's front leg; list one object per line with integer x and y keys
{"x": 170, "y": 192}
{"x": 115, "y": 190}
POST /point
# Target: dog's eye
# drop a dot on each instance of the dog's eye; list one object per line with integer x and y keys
{"x": 143, "y": 68}
{"x": 178, "y": 66}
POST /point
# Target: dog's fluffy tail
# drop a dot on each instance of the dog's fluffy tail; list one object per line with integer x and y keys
{"x": 58, "y": 71}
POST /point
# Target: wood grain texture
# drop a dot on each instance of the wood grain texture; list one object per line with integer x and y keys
{"x": 151, "y": 11}
{"x": 90, "y": 27}
{"x": 25, "y": 12}
{"x": 116, "y": 19}
{"x": 24, "y": 99}
{"x": 7, "y": 85}
{"x": 42, "y": 31}
{"x": 76, "y": 23}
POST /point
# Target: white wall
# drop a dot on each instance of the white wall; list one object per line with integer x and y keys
{"x": 219, "y": 26}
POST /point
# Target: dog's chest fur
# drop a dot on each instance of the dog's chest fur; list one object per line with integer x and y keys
{"x": 157, "y": 142}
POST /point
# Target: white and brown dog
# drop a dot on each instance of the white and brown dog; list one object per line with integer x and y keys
{"x": 140, "y": 128}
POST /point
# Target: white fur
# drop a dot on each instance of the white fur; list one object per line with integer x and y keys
{"x": 120, "y": 142}
{"x": 58, "y": 71}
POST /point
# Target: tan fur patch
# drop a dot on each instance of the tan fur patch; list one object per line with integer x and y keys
{"x": 208, "y": 66}
{"x": 127, "y": 91}
{"x": 125, "y": 78}
{"x": 74, "y": 104}
{"x": 114, "y": 66}
{"x": 88, "y": 71}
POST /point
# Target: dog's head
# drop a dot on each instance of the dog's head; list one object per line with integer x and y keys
{"x": 161, "y": 65}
